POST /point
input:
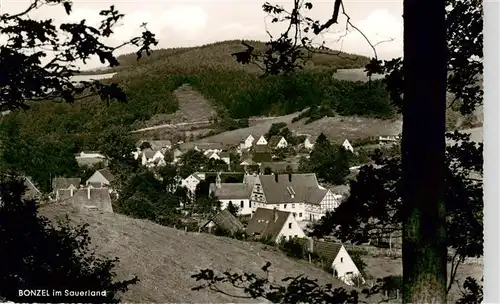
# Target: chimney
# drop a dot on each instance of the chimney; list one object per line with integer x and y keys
{"x": 289, "y": 177}
{"x": 275, "y": 177}
{"x": 88, "y": 193}
{"x": 275, "y": 214}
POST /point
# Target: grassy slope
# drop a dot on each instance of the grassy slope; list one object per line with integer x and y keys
{"x": 151, "y": 252}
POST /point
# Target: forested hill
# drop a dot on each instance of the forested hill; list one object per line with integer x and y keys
{"x": 218, "y": 56}
{"x": 237, "y": 88}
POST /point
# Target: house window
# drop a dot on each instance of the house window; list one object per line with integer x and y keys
{"x": 242, "y": 204}
{"x": 293, "y": 205}
{"x": 300, "y": 214}
{"x": 294, "y": 214}
{"x": 249, "y": 204}
{"x": 341, "y": 260}
{"x": 284, "y": 206}
{"x": 289, "y": 225}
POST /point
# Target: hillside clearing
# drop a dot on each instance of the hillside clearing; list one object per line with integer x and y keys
{"x": 336, "y": 129}
{"x": 164, "y": 258}
{"x": 193, "y": 107}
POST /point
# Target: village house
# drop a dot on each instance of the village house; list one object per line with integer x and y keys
{"x": 277, "y": 142}
{"x": 308, "y": 144}
{"x": 273, "y": 224}
{"x": 192, "y": 181}
{"x": 335, "y": 254}
{"x": 225, "y": 156}
{"x": 102, "y": 178}
{"x": 177, "y": 155}
{"x": 300, "y": 194}
{"x": 347, "y": 146}
{"x": 262, "y": 141}
{"x": 65, "y": 183}
{"x": 223, "y": 220}
{"x": 89, "y": 158}
{"x": 237, "y": 194}
{"x": 247, "y": 142}
{"x": 151, "y": 158}
{"x": 87, "y": 198}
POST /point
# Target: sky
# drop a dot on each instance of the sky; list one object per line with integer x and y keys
{"x": 191, "y": 23}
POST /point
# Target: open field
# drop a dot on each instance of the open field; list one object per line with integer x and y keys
{"x": 164, "y": 258}
{"x": 336, "y": 129}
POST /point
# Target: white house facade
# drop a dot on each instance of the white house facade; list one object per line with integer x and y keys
{"x": 347, "y": 145}
{"x": 344, "y": 268}
{"x": 262, "y": 141}
{"x": 308, "y": 144}
{"x": 248, "y": 142}
{"x": 291, "y": 229}
{"x": 192, "y": 181}
{"x": 282, "y": 143}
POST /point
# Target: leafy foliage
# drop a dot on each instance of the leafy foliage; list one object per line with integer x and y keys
{"x": 43, "y": 256}
{"x": 297, "y": 289}
{"x": 329, "y": 162}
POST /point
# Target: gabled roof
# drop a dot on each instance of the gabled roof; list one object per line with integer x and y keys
{"x": 281, "y": 187}
{"x": 227, "y": 221}
{"x": 107, "y": 174}
{"x": 65, "y": 182}
{"x": 327, "y": 250}
{"x": 261, "y": 149}
{"x": 278, "y": 167}
{"x": 274, "y": 140}
{"x": 264, "y": 224}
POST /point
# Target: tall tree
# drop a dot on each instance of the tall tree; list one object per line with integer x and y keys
{"x": 423, "y": 152}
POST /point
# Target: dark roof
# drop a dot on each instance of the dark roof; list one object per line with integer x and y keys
{"x": 280, "y": 188}
{"x": 274, "y": 140}
{"x": 261, "y": 149}
{"x": 264, "y": 224}
{"x": 326, "y": 250}
{"x": 65, "y": 182}
{"x": 278, "y": 167}
{"x": 226, "y": 220}
{"x": 107, "y": 174}
{"x": 232, "y": 191}
{"x": 262, "y": 157}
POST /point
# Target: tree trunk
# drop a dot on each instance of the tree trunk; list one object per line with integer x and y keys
{"x": 423, "y": 148}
